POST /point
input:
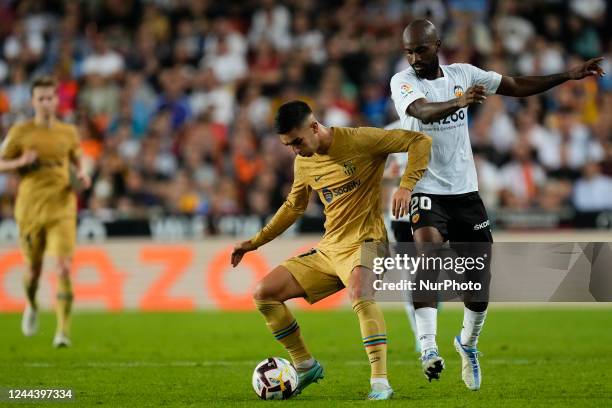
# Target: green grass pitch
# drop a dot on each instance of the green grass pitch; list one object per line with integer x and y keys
{"x": 547, "y": 357}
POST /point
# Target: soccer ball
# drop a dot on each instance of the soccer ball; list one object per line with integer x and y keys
{"x": 275, "y": 379}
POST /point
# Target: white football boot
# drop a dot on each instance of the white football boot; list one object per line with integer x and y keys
{"x": 29, "y": 321}
{"x": 470, "y": 366}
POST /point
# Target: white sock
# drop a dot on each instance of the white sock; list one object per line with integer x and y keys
{"x": 472, "y": 325}
{"x": 426, "y": 323}
{"x": 411, "y": 319}
{"x": 305, "y": 365}
{"x": 383, "y": 381}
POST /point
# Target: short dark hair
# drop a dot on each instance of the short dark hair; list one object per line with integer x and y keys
{"x": 291, "y": 115}
{"x": 43, "y": 82}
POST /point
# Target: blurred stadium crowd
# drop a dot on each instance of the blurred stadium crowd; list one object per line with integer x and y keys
{"x": 175, "y": 99}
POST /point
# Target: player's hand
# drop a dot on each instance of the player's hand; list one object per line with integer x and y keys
{"x": 84, "y": 180}
{"x": 239, "y": 250}
{"x": 27, "y": 158}
{"x": 589, "y": 68}
{"x": 401, "y": 202}
{"x": 474, "y": 94}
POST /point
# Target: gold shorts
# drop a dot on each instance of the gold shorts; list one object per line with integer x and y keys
{"x": 323, "y": 272}
{"x": 57, "y": 238}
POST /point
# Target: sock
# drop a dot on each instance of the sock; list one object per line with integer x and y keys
{"x": 383, "y": 381}
{"x": 30, "y": 285}
{"x": 411, "y": 318}
{"x": 374, "y": 334}
{"x": 472, "y": 325}
{"x": 305, "y": 365}
{"x": 63, "y": 305}
{"x": 285, "y": 329}
{"x": 426, "y": 323}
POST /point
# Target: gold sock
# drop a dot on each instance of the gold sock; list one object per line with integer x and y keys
{"x": 285, "y": 329}
{"x": 374, "y": 334}
{"x": 63, "y": 305}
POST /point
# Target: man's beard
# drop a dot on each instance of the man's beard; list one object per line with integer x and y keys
{"x": 429, "y": 70}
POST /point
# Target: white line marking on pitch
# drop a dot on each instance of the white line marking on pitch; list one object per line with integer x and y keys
{"x": 135, "y": 364}
{"x": 209, "y": 363}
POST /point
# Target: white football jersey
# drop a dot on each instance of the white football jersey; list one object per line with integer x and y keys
{"x": 451, "y": 166}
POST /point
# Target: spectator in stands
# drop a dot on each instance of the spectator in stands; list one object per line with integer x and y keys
{"x": 568, "y": 146}
{"x": 174, "y": 98}
{"x": 522, "y": 178}
{"x": 593, "y": 191}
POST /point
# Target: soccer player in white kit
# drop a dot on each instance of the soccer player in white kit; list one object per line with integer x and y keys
{"x": 445, "y": 204}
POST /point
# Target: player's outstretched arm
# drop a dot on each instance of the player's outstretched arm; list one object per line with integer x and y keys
{"x": 293, "y": 207}
{"x": 286, "y": 215}
{"x": 240, "y": 249}
{"x": 531, "y": 85}
{"x": 25, "y": 159}
{"x": 428, "y": 112}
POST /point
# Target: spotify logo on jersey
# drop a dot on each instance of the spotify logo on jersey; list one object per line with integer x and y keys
{"x": 338, "y": 191}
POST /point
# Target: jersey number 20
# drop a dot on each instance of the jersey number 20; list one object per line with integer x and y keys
{"x": 419, "y": 203}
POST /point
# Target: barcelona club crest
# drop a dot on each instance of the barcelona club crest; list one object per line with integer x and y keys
{"x": 349, "y": 168}
{"x": 458, "y": 91}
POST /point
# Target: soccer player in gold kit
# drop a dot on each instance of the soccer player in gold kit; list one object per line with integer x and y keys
{"x": 345, "y": 167}
{"x": 46, "y": 208}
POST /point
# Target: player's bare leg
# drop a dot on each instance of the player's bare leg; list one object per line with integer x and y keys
{"x": 270, "y": 295}
{"x": 29, "y": 321}
{"x": 426, "y": 316}
{"x": 373, "y": 330}
{"x": 63, "y": 302}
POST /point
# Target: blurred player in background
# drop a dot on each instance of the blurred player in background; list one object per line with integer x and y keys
{"x": 345, "y": 167}
{"x": 445, "y": 205}
{"x": 46, "y": 208}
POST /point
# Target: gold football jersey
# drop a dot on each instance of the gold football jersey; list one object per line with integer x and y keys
{"x": 44, "y": 190}
{"x": 348, "y": 181}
